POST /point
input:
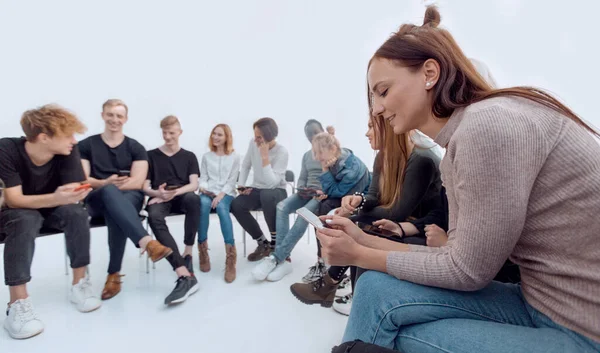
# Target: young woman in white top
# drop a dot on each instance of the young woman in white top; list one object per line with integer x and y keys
{"x": 219, "y": 171}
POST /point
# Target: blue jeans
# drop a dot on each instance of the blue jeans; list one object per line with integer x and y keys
{"x": 288, "y": 238}
{"x": 224, "y": 218}
{"x": 413, "y": 318}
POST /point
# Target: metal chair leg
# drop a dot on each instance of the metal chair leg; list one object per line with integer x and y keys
{"x": 244, "y": 237}
{"x": 147, "y": 258}
{"x": 66, "y": 259}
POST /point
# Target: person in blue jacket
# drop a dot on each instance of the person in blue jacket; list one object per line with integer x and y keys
{"x": 343, "y": 174}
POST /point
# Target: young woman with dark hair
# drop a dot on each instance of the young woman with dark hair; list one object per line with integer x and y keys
{"x": 522, "y": 175}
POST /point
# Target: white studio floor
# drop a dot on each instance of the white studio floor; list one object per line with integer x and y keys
{"x": 245, "y": 316}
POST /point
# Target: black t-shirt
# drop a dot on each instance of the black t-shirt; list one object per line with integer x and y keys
{"x": 174, "y": 170}
{"x": 16, "y": 168}
{"x": 106, "y": 161}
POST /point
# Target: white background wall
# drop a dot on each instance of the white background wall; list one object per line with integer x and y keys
{"x": 236, "y": 61}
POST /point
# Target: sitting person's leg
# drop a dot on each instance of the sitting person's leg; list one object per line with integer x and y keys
{"x": 223, "y": 209}
{"x": 269, "y": 198}
{"x": 19, "y": 228}
{"x": 120, "y": 210}
{"x": 187, "y": 284}
{"x": 275, "y": 267}
{"x": 241, "y": 207}
{"x": 468, "y": 335}
{"x": 383, "y": 306}
{"x": 188, "y": 204}
{"x": 204, "y": 219}
{"x": 284, "y": 209}
{"x": 73, "y": 221}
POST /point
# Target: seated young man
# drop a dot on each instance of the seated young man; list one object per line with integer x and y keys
{"x": 172, "y": 180}
{"x": 41, "y": 173}
{"x": 268, "y": 159}
{"x": 116, "y": 166}
{"x": 308, "y": 182}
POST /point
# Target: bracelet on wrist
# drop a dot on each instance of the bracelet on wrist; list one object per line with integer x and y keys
{"x": 362, "y": 202}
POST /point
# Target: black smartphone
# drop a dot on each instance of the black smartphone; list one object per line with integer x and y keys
{"x": 209, "y": 194}
{"x": 307, "y": 192}
{"x": 241, "y": 188}
{"x": 172, "y": 187}
{"x": 123, "y": 173}
{"x": 371, "y": 229}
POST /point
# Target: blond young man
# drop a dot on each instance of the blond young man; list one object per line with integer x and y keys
{"x": 42, "y": 172}
{"x": 171, "y": 184}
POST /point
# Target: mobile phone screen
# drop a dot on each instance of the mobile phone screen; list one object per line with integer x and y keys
{"x": 371, "y": 229}
{"x": 311, "y": 218}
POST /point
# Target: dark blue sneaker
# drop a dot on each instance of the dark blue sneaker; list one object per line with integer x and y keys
{"x": 185, "y": 287}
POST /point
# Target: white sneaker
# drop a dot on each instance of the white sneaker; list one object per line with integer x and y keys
{"x": 343, "y": 305}
{"x": 262, "y": 270}
{"x": 344, "y": 288}
{"x": 283, "y": 269}
{"x": 22, "y": 321}
{"x": 82, "y": 295}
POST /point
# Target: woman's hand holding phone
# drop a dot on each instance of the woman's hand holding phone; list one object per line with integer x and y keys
{"x": 340, "y": 244}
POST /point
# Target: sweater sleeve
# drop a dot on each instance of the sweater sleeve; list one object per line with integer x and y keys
{"x": 303, "y": 178}
{"x": 419, "y": 175}
{"x": 274, "y": 173}
{"x": 437, "y": 215}
{"x": 229, "y": 187}
{"x": 246, "y": 165}
{"x": 372, "y": 196}
{"x": 203, "y": 172}
{"x": 491, "y": 187}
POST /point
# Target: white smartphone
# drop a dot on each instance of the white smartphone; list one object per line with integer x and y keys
{"x": 311, "y": 218}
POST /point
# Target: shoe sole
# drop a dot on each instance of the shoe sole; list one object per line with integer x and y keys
{"x": 192, "y": 290}
{"x": 87, "y": 311}
{"x": 339, "y": 311}
{"x": 162, "y": 256}
{"x": 24, "y": 337}
{"x": 271, "y": 279}
{"x": 324, "y": 303}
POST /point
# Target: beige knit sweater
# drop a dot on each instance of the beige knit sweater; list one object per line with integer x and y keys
{"x": 522, "y": 181}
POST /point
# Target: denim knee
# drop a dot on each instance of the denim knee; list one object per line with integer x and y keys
{"x": 223, "y": 209}
{"x": 205, "y": 202}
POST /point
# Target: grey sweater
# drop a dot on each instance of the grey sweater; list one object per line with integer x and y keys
{"x": 310, "y": 172}
{"x": 522, "y": 181}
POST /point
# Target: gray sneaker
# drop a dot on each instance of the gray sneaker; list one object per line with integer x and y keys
{"x": 185, "y": 287}
{"x": 315, "y": 272}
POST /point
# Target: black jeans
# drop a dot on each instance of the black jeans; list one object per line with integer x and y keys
{"x": 267, "y": 199}
{"x": 19, "y": 228}
{"x": 120, "y": 210}
{"x": 189, "y": 204}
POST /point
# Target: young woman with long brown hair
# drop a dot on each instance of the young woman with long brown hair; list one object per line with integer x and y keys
{"x": 522, "y": 175}
{"x": 219, "y": 171}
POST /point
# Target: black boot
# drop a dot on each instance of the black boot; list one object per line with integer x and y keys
{"x": 360, "y": 347}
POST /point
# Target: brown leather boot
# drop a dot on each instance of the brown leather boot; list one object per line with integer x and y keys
{"x": 262, "y": 250}
{"x": 204, "y": 257}
{"x": 157, "y": 251}
{"x": 230, "y": 261}
{"x": 112, "y": 286}
{"x": 321, "y": 291}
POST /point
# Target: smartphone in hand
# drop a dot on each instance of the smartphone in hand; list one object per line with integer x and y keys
{"x": 172, "y": 187}
{"x": 241, "y": 188}
{"x": 307, "y": 192}
{"x": 312, "y": 218}
{"x": 373, "y": 230}
{"x": 83, "y": 187}
{"x": 123, "y": 173}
